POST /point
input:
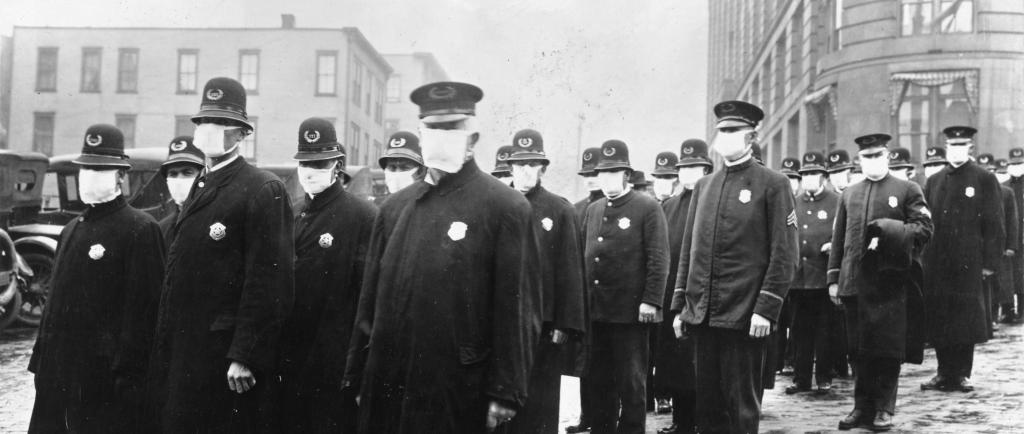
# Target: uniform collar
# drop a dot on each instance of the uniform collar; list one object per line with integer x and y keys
{"x": 224, "y": 173}
{"x": 93, "y": 212}
{"x": 954, "y": 169}
{"x": 224, "y": 163}
{"x": 325, "y": 197}
{"x": 595, "y": 196}
{"x": 534, "y": 191}
{"x": 740, "y": 165}
{"x": 456, "y": 180}
{"x": 623, "y": 199}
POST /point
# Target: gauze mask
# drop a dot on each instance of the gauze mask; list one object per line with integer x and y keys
{"x": 811, "y": 182}
{"x": 663, "y": 187}
{"x": 840, "y": 180}
{"x": 209, "y": 138}
{"x": 1015, "y": 170}
{"x": 1002, "y": 177}
{"x": 179, "y": 188}
{"x": 97, "y": 186}
{"x": 612, "y": 183}
{"x": 525, "y": 177}
{"x": 903, "y": 174}
{"x": 315, "y": 181}
{"x": 398, "y": 180}
{"x": 505, "y": 179}
{"x": 591, "y": 184}
{"x": 688, "y": 176}
{"x": 874, "y": 168}
{"x": 444, "y": 150}
{"x": 932, "y": 169}
{"x": 794, "y": 185}
{"x": 731, "y": 145}
{"x": 958, "y": 154}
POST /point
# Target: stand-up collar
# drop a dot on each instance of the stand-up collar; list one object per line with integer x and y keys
{"x": 741, "y": 165}
{"x": 325, "y": 197}
{"x": 93, "y": 212}
{"x": 622, "y": 199}
{"x": 456, "y": 180}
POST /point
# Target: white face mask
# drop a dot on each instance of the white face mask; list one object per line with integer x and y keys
{"x": 505, "y": 179}
{"x": 811, "y": 182}
{"x": 444, "y": 150}
{"x": 958, "y": 154}
{"x": 874, "y": 168}
{"x": 794, "y": 185}
{"x": 591, "y": 184}
{"x": 1002, "y": 177}
{"x": 398, "y": 180}
{"x": 688, "y": 176}
{"x": 525, "y": 177}
{"x": 855, "y": 178}
{"x": 315, "y": 181}
{"x": 612, "y": 183}
{"x": 840, "y": 180}
{"x": 209, "y": 138}
{"x": 179, "y": 188}
{"x": 1015, "y": 170}
{"x": 903, "y": 174}
{"x": 732, "y": 145}
{"x": 97, "y": 186}
{"x": 932, "y": 169}
{"x": 663, "y": 188}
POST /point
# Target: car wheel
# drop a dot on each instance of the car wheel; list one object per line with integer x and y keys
{"x": 34, "y": 299}
{"x": 9, "y": 312}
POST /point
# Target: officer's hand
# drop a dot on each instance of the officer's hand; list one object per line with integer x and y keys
{"x": 873, "y": 245}
{"x": 677, "y": 326}
{"x": 826, "y": 248}
{"x": 497, "y": 414}
{"x": 985, "y": 272}
{"x": 558, "y": 337}
{"x": 1009, "y": 253}
{"x": 647, "y": 313}
{"x": 240, "y": 378}
{"x": 833, "y": 293}
{"x": 759, "y": 326}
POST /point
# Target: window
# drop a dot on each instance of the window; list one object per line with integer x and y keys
{"x": 796, "y": 45}
{"x": 392, "y": 125}
{"x": 248, "y": 147}
{"x": 128, "y": 70}
{"x": 780, "y": 72}
{"x": 378, "y": 149}
{"x": 836, "y": 25}
{"x": 353, "y": 152}
{"x": 926, "y": 110}
{"x": 46, "y": 69}
{"x": 126, "y": 123}
{"x": 793, "y": 136}
{"x": 183, "y": 126}
{"x": 369, "y": 82}
{"x": 249, "y": 70}
{"x": 357, "y": 84}
{"x": 366, "y": 142}
{"x": 42, "y": 132}
{"x": 378, "y": 104}
{"x": 395, "y": 88}
{"x": 326, "y": 72}
{"x": 766, "y": 84}
{"x": 923, "y": 17}
{"x": 92, "y": 62}
{"x": 188, "y": 70}
{"x": 755, "y": 91}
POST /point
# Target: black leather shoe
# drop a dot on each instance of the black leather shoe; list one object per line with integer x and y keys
{"x": 797, "y": 388}
{"x": 581, "y": 426}
{"x": 961, "y": 384}
{"x": 882, "y": 422}
{"x": 824, "y": 388}
{"x": 663, "y": 406}
{"x": 673, "y": 429}
{"x": 856, "y": 418}
{"x": 937, "y": 382}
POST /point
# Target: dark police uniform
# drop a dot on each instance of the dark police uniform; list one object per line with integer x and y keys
{"x": 626, "y": 264}
{"x": 808, "y": 295}
{"x": 228, "y": 287}
{"x": 91, "y": 353}
{"x": 332, "y": 233}
{"x": 737, "y": 258}
{"x": 969, "y": 236}
{"x": 1004, "y": 275}
{"x": 562, "y": 298}
{"x": 879, "y": 289}
{"x": 449, "y": 301}
{"x": 1016, "y": 183}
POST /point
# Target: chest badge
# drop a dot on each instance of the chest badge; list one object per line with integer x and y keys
{"x": 744, "y": 196}
{"x": 457, "y": 231}
{"x": 624, "y": 223}
{"x": 218, "y": 231}
{"x": 969, "y": 192}
{"x": 822, "y": 215}
{"x": 893, "y": 203}
{"x": 326, "y": 240}
{"x": 547, "y": 223}
{"x": 96, "y": 251}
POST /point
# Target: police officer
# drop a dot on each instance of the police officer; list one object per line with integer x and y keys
{"x": 639, "y": 183}
{"x": 791, "y": 168}
{"x": 664, "y": 186}
{"x": 934, "y": 161}
{"x": 966, "y": 250}
{"x": 808, "y": 296}
{"x": 626, "y": 266}
{"x": 91, "y": 353}
{"x": 839, "y": 168}
{"x": 184, "y": 163}
{"x": 881, "y": 225}
{"x": 562, "y": 284}
{"x": 451, "y": 295}
{"x": 587, "y": 164}
{"x": 402, "y": 161}
{"x": 666, "y": 178}
{"x": 900, "y": 165}
{"x": 332, "y": 233}
{"x": 1016, "y": 171}
{"x": 229, "y": 282}
{"x": 674, "y": 377}
{"x": 999, "y": 290}
{"x": 502, "y": 170}
{"x": 741, "y": 218}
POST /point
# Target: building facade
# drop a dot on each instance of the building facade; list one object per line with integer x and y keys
{"x": 410, "y": 71}
{"x": 828, "y": 71}
{"x": 147, "y": 82}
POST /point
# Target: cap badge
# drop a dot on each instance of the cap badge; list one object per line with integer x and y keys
{"x": 442, "y": 92}
{"x": 214, "y": 94}
{"x": 868, "y": 140}
{"x": 524, "y": 142}
{"x": 983, "y": 160}
{"x": 547, "y": 223}
{"x": 93, "y": 140}
{"x": 608, "y": 152}
{"x": 326, "y": 240}
{"x": 179, "y": 146}
{"x": 624, "y": 223}
{"x": 587, "y": 156}
{"x": 503, "y": 156}
{"x": 218, "y": 231}
{"x": 96, "y": 251}
{"x": 726, "y": 108}
{"x": 662, "y": 161}
{"x": 893, "y": 203}
{"x": 834, "y": 158}
{"x": 787, "y": 163}
{"x": 744, "y": 196}
{"x": 931, "y": 152}
{"x": 397, "y": 142}
{"x": 969, "y": 192}
{"x": 457, "y": 231}
{"x": 311, "y": 136}
{"x": 687, "y": 150}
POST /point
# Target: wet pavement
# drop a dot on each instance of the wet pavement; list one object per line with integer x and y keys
{"x": 996, "y": 406}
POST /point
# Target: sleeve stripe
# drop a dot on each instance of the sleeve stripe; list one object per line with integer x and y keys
{"x": 773, "y": 295}
{"x": 679, "y": 290}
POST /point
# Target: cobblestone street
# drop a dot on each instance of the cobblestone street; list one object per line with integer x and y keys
{"x": 997, "y": 406}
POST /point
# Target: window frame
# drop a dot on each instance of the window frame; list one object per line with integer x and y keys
{"x": 936, "y": 8}
{"x": 394, "y": 95}
{"x": 182, "y": 52}
{"x": 121, "y": 70}
{"x": 357, "y": 82}
{"x": 129, "y": 136}
{"x": 88, "y": 52}
{"x": 320, "y": 54}
{"x": 242, "y": 54}
{"x": 36, "y": 145}
{"x": 40, "y": 51}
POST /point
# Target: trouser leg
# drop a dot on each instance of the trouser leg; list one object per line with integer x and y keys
{"x": 802, "y": 333}
{"x": 864, "y": 386}
{"x": 604, "y": 406}
{"x": 683, "y": 408}
{"x": 822, "y": 337}
{"x": 711, "y": 413}
{"x": 887, "y": 374}
{"x": 742, "y": 367}
{"x": 631, "y": 364}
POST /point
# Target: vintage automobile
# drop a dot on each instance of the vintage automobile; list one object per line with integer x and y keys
{"x": 22, "y": 297}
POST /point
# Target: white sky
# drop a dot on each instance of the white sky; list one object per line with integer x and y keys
{"x": 634, "y": 71}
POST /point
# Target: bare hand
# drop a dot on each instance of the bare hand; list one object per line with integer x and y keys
{"x": 985, "y": 272}
{"x": 647, "y": 313}
{"x": 497, "y": 414}
{"x": 240, "y": 378}
{"x": 873, "y": 245}
{"x": 677, "y": 326}
{"x": 759, "y": 326}
{"x": 558, "y": 337}
{"x": 826, "y": 248}
{"x": 1009, "y": 253}
{"x": 833, "y": 293}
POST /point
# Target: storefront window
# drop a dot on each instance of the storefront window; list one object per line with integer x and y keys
{"x": 923, "y": 17}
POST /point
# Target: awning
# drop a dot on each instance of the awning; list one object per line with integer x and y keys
{"x": 824, "y": 95}
{"x": 899, "y": 82}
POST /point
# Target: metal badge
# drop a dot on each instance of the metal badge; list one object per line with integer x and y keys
{"x": 624, "y": 223}
{"x": 96, "y": 251}
{"x": 744, "y": 196}
{"x": 893, "y": 203}
{"x": 457, "y": 231}
{"x": 218, "y": 231}
{"x": 822, "y": 215}
{"x": 547, "y": 224}
{"x": 326, "y": 240}
{"x": 969, "y": 192}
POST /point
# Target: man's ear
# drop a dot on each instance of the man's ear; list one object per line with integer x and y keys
{"x": 543, "y": 169}
{"x": 473, "y": 138}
